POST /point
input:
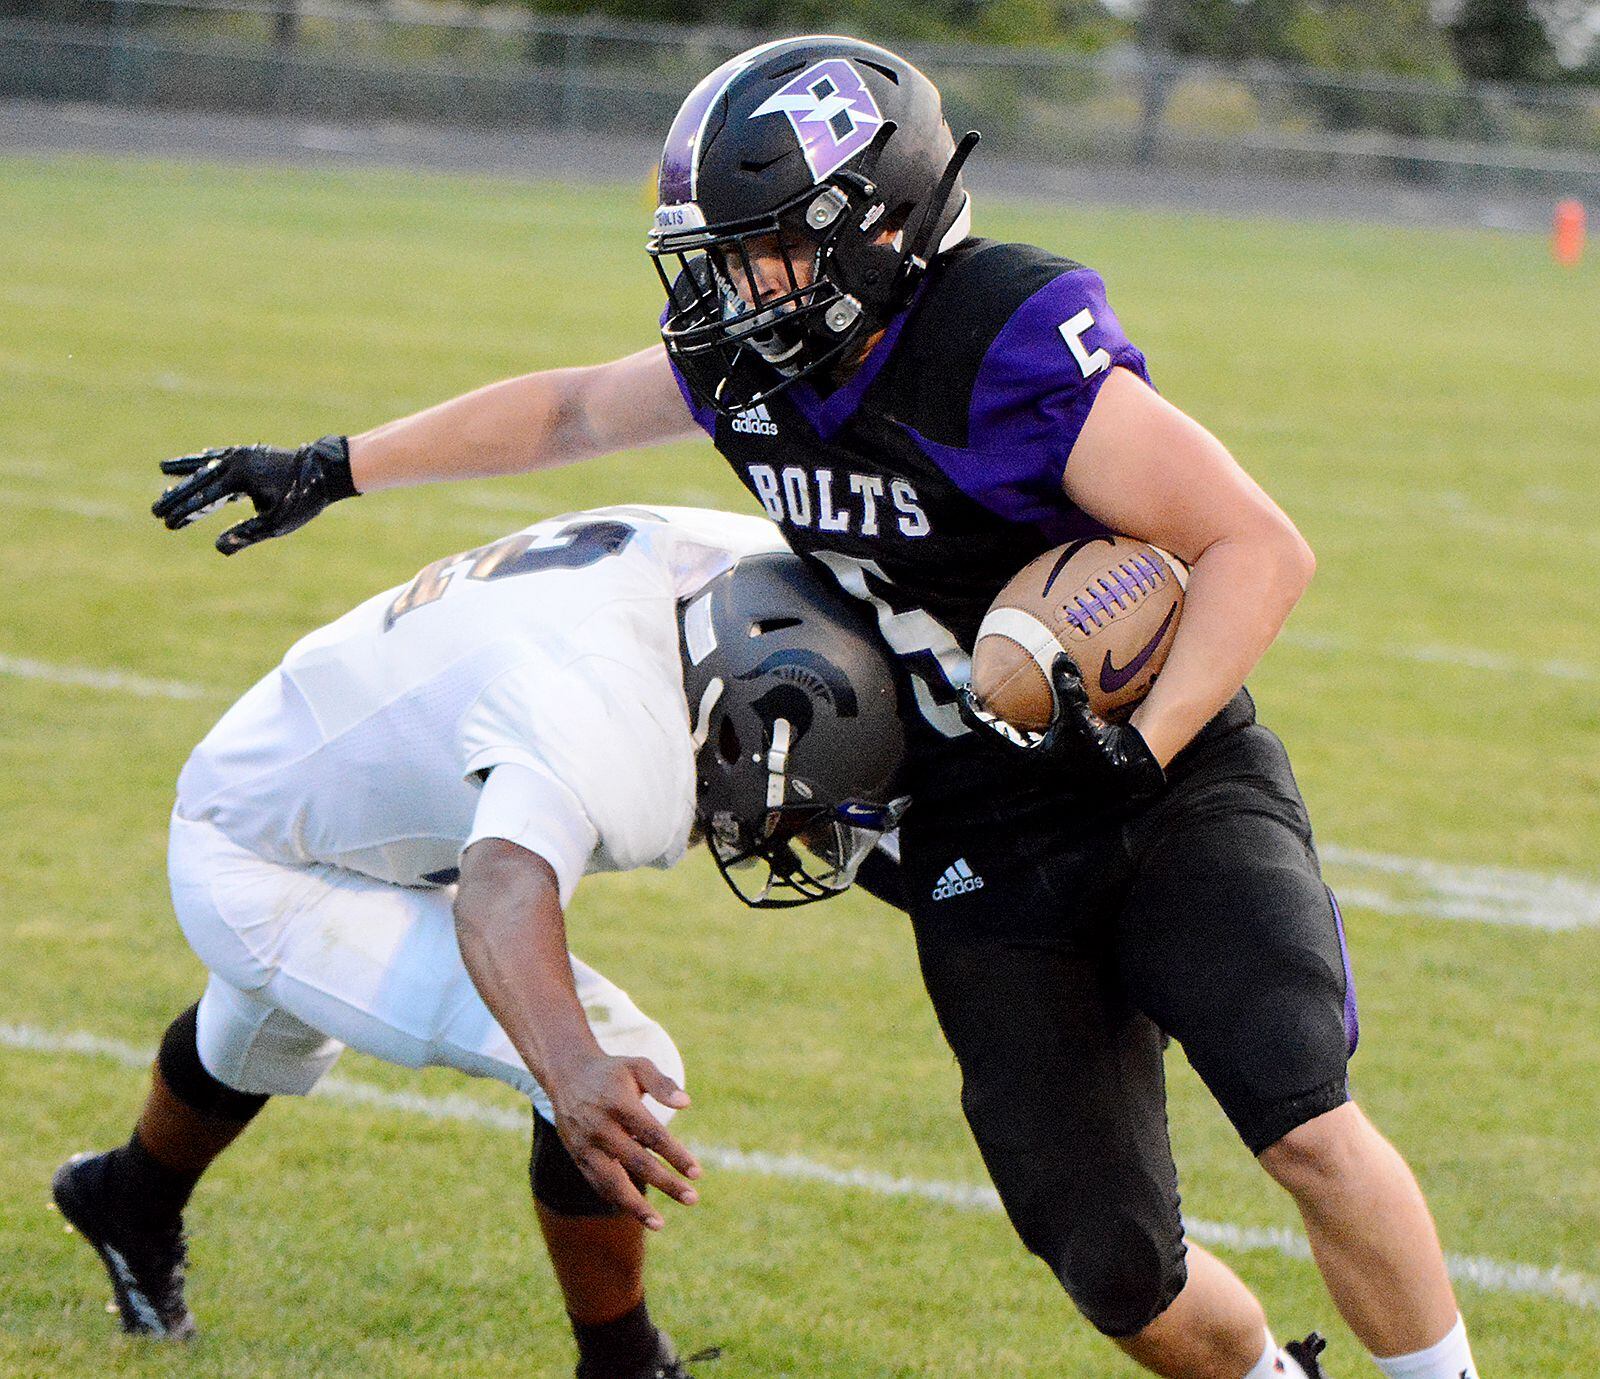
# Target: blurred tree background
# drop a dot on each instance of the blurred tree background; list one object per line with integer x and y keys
{"x": 1085, "y": 24}
{"x": 1499, "y": 40}
{"x": 1496, "y": 40}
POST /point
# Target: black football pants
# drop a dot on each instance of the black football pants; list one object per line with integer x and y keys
{"x": 1060, "y": 947}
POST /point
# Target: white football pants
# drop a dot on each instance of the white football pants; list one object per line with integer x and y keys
{"x": 307, "y": 961}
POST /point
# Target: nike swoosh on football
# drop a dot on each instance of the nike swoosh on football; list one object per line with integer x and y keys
{"x": 1067, "y": 552}
{"x": 1113, "y": 678}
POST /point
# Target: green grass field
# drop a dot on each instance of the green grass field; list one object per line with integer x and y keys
{"x": 1422, "y": 402}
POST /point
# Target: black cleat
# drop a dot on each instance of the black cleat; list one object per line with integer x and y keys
{"x": 664, "y": 1364}
{"x": 1304, "y": 1353}
{"x": 145, "y": 1263}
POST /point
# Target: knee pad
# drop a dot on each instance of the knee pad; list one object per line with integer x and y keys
{"x": 188, "y": 1079}
{"x": 557, "y": 1181}
{"x": 1119, "y": 1272}
{"x": 1121, "y": 1292}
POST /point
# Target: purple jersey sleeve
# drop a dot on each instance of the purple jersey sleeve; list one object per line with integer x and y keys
{"x": 705, "y": 417}
{"x": 1030, "y": 398}
{"x": 1043, "y": 371}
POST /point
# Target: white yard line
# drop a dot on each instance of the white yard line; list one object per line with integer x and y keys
{"x": 29, "y": 469}
{"x": 130, "y": 499}
{"x": 91, "y": 677}
{"x": 1491, "y": 1275}
{"x": 1451, "y": 509}
{"x": 1457, "y": 657}
{"x": 1454, "y": 890}
{"x": 130, "y": 502}
{"x": 458, "y": 511}
{"x": 18, "y": 499}
{"x": 97, "y": 377}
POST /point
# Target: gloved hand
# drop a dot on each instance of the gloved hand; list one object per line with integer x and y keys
{"x": 1112, "y": 758}
{"x": 288, "y": 487}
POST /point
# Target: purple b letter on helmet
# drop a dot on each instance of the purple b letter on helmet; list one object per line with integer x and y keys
{"x": 831, "y": 111}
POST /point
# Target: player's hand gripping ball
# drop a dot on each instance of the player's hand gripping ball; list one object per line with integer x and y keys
{"x": 1111, "y": 603}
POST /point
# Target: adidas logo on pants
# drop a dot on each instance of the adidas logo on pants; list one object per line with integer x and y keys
{"x": 957, "y": 880}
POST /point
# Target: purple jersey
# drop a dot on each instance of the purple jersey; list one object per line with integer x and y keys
{"x": 934, "y": 474}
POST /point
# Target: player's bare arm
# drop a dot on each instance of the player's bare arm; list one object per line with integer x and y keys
{"x": 513, "y": 941}
{"x": 1143, "y": 467}
{"x": 537, "y": 421}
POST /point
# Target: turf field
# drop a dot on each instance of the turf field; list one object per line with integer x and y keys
{"x": 1422, "y": 403}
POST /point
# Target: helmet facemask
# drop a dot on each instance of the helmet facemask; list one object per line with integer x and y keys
{"x": 798, "y": 289}
{"x": 803, "y": 855}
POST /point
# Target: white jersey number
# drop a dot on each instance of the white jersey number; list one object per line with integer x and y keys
{"x": 1072, "y": 332}
{"x": 574, "y": 546}
{"x": 934, "y": 659}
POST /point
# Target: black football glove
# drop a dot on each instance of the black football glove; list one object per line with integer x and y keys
{"x": 288, "y": 487}
{"x": 1112, "y": 758}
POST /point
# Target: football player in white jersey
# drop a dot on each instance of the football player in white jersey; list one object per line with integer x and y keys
{"x": 373, "y": 849}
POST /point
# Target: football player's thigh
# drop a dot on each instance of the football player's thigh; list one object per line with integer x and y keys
{"x": 1062, "y": 1085}
{"x": 1229, "y": 940}
{"x": 1062, "y": 1078}
{"x": 379, "y": 968}
{"x": 376, "y": 967}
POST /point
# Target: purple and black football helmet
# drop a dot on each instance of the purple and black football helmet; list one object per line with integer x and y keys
{"x": 819, "y": 150}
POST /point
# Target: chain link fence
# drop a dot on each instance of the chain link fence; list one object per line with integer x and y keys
{"x": 408, "y": 62}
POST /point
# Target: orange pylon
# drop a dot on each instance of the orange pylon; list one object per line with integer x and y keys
{"x": 1567, "y": 241}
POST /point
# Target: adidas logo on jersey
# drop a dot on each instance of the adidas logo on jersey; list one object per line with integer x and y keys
{"x": 756, "y": 421}
{"x": 957, "y": 880}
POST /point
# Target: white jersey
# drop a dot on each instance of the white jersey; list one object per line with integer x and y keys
{"x": 554, "y": 650}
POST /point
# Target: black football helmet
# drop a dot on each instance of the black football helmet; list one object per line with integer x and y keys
{"x": 797, "y": 730}
{"x": 805, "y": 185}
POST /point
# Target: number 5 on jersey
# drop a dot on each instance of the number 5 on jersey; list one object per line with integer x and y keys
{"x": 1072, "y": 331}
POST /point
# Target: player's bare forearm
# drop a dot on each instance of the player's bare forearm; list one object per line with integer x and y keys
{"x": 1241, "y": 590}
{"x": 537, "y": 421}
{"x": 514, "y": 943}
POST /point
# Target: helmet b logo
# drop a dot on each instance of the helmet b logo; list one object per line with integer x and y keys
{"x": 831, "y": 111}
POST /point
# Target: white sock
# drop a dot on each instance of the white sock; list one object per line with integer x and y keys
{"x": 1274, "y": 1364}
{"x": 1451, "y": 1358}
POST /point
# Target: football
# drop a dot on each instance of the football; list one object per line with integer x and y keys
{"x": 1110, "y": 602}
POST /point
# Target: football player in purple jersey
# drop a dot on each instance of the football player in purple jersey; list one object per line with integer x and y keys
{"x": 923, "y": 412}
